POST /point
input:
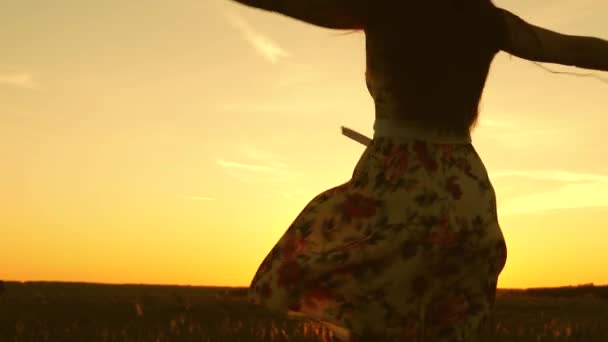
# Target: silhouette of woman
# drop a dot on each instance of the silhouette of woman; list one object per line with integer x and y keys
{"x": 410, "y": 248}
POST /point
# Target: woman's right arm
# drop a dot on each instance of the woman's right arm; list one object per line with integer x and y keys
{"x": 535, "y": 43}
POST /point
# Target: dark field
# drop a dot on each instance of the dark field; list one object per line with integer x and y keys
{"x": 95, "y": 312}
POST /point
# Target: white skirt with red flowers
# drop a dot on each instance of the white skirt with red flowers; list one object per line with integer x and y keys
{"x": 409, "y": 249}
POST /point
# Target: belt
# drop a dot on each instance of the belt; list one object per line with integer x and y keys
{"x": 402, "y": 129}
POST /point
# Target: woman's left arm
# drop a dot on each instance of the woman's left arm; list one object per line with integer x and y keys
{"x": 538, "y": 44}
{"x": 334, "y": 14}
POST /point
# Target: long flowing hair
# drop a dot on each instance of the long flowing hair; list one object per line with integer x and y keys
{"x": 438, "y": 55}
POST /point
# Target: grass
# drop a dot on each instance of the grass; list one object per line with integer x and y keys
{"x": 95, "y": 312}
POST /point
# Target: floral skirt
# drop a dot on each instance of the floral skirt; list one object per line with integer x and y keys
{"x": 409, "y": 249}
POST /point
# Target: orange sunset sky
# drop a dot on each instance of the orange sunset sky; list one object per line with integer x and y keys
{"x": 173, "y": 142}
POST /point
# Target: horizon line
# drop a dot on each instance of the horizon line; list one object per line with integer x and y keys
{"x": 229, "y": 286}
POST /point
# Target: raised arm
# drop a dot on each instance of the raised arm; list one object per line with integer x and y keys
{"x": 335, "y": 14}
{"x": 538, "y": 44}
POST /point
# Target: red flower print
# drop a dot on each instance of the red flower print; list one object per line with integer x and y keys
{"x": 454, "y": 189}
{"x": 422, "y": 152}
{"x": 395, "y": 164}
{"x": 409, "y": 332}
{"x": 348, "y": 270}
{"x": 290, "y": 272}
{"x": 447, "y": 151}
{"x": 295, "y": 306}
{"x": 451, "y": 311}
{"x": 420, "y": 285}
{"x": 316, "y": 298}
{"x": 352, "y": 245}
{"x": 293, "y": 247}
{"x": 444, "y": 236}
{"x": 359, "y": 206}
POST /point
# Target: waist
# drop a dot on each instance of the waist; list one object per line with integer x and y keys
{"x": 406, "y": 129}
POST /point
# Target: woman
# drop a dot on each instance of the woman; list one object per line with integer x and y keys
{"x": 410, "y": 249}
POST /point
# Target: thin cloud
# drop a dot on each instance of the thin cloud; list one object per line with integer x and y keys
{"x": 261, "y": 166}
{"x": 514, "y": 128}
{"x": 516, "y": 135}
{"x": 579, "y": 190}
{"x": 287, "y": 109}
{"x": 286, "y": 195}
{"x": 199, "y": 198}
{"x": 269, "y": 158}
{"x": 559, "y": 175}
{"x": 21, "y": 79}
{"x": 522, "y": 133}
{"x": 267, "y": 48}
{"x": 495, "y": 123}
{"x": 565, "y": 12}
{"x": 298, "y": 74}
{"x": 245, "y": 166}
{"x": 296, "y": 193}
{"x": 260, "y": 108}
{"x": 298, "y": 78}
